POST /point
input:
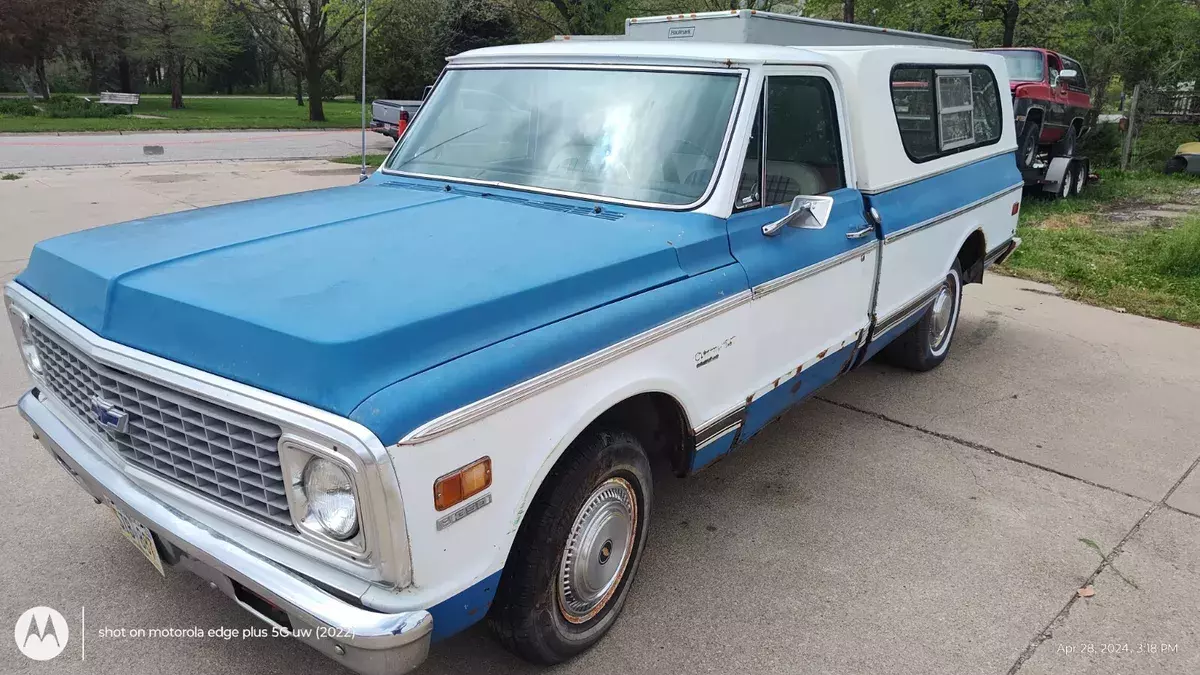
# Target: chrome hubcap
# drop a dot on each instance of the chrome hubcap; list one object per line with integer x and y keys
{"x": 598, "y": 550}
{"x": 1080, "y": 179}
{"x": 939, "y": 316}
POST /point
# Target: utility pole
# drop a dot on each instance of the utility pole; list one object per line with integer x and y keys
{"x": 1128, "y": 146}
{"x": 363, "y": 95}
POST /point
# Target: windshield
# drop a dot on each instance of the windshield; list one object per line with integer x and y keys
{"x": 1023, "y": 66}
{"x": 631, "y": 135}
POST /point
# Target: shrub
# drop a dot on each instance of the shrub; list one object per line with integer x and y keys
{"x": 1155, "y": 143}
{"x": 65, "y": 105}
{"x": 1102, "y": 146}
{"x": 17, "y": 107}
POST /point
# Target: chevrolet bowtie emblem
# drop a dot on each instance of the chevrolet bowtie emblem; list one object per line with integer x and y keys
{"x": 109, "y": 416}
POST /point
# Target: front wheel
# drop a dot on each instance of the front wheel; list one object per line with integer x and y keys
{"x": 926, "y": 344}
{"x": 577, "y": 550}
{"x": 1027, "y": 149}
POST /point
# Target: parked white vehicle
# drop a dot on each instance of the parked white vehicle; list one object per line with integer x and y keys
{"x": 392, "y": 409}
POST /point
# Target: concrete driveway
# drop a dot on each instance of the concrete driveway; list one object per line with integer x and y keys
{"x": 899, "y": 523}
{"x": 55, "y": 150}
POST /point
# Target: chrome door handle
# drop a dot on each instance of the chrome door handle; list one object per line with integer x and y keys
{"x": 865, "y": 232}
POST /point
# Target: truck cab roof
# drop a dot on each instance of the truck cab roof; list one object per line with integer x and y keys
{"x": 863, "y": 75}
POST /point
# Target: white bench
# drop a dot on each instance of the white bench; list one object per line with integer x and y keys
{"x": 119, "y": 98}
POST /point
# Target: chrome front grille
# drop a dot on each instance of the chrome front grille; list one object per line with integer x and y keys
{"x": 224, "y": 454}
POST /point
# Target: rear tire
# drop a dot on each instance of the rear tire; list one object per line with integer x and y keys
{"x": 925, "y": 345}
{"x": 1070, "y": 141}
{"x": 577, "y": 551}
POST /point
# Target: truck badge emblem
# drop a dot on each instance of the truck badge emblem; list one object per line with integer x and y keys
{"x": 109, "y": 416}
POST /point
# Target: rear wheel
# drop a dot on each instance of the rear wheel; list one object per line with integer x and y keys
{"x": 1080, "y": 180}
{"x": 926, "y": 344}
{"x": 1066, "y": 146}
{"x": 577, "y": 550}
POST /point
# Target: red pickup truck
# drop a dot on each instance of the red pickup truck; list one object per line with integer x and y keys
{"x": 1050, "y": 101}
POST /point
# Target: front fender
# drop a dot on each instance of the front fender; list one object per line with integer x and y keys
{"x": 524, "y": 425}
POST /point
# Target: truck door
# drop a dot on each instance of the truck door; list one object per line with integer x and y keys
{"x": 1055, "y": 124}
{"x": 812, "y": 279}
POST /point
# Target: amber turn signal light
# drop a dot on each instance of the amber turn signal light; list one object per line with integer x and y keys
{"x": 462, "y": 483}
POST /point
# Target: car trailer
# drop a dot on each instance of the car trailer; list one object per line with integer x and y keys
{"x": 1059, "y": 175}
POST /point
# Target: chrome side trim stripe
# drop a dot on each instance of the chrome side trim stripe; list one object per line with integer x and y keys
{"x": 995, "y": 253}
{"x": 899, "y": 316}
{"x": 918, "y": 179}
{"x": 720, "y": 425}
{"x": 952, "y": 214}
{"x": 700, "y": 445}
{"x": 786, "y": 280}
{"x": 485, "y": 407}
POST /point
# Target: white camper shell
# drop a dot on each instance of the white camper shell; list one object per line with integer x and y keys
{"x": 767, "y": 28}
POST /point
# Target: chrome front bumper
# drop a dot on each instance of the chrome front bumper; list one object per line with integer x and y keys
{"x": 365, "y": 641}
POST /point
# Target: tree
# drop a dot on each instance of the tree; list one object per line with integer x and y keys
{"x": 32, "y": 32}
{"x": 174, "y": 32}
{"x": 316, "y": 35}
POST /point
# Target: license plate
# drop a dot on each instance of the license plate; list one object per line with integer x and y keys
{"x": 141, "y": 537}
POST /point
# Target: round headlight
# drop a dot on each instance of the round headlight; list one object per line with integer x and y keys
{"x": 31, "y": 357}
{"x": 330, "y": 495}
{"x": 29, "y": 353}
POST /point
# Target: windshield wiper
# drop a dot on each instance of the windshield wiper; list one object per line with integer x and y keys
{"x": 435, "y": 147}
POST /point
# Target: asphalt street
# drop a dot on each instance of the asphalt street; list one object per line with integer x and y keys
{"x": 898, "y": 523}
{"x": 19, "y": 151}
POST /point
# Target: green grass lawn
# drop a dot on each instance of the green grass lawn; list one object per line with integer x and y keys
{"x": 1087, "y": 249}
{"x": 232, "y": 112}
{"x": 373, "y": 161}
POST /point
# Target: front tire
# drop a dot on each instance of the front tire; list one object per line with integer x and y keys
{"x": 925, "y": 345}
{"x": 577, "y": 551}
{"x": 1027, "y": 149}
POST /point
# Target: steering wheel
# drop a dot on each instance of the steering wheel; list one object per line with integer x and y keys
{"x": 697, "y": 147}
{"x": 670, "y": 171}
{"x": 612, "y": 162}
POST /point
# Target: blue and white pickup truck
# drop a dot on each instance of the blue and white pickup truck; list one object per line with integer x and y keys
{"x": 377, "y": 414}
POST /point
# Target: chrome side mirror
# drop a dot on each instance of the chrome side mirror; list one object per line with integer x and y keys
{"x": 808, "y": 213}
{"x": 1068, "y": 74}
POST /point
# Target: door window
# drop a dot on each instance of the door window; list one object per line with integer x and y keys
{"x": 1079, "y": 83}
{"x": 1055, "y": 68}
{"x": 802, "y": 144}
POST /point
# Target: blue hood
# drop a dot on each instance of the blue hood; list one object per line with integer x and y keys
{"x": 328, "y": 296}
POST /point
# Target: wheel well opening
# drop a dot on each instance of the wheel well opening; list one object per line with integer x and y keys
{"x": 660, "y": 424}
{"x": 971, "y": 257}
{"x": 1034, "y": 115}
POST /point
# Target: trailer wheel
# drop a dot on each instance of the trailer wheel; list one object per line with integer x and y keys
{"x": 1068, "y": 180}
